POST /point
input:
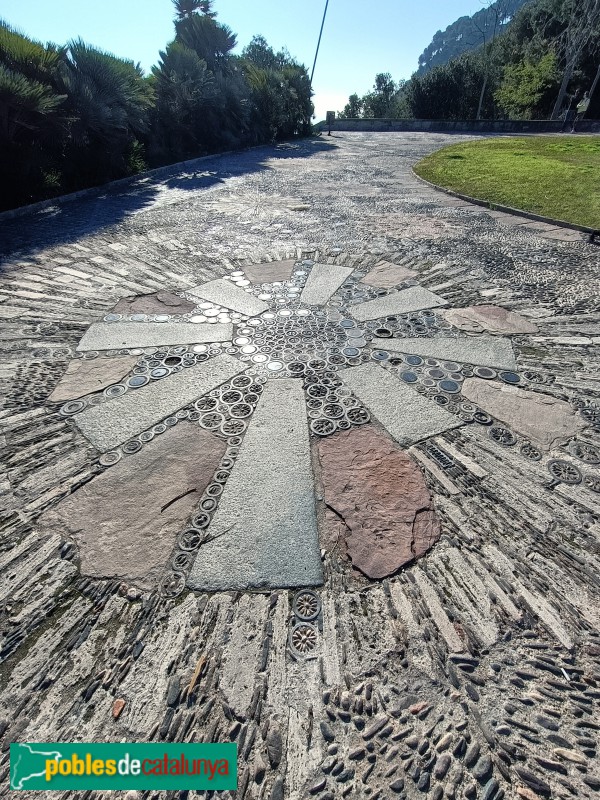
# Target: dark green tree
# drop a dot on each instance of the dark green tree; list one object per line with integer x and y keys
{"x": 29, "y": 93}
{"x": 400, "y": 107}
{"x": 451, "y": 91}
{"x": 260, "y": 54}
{"x": 465, "y": 34}
{"x": 552, "y": 26}
{"x": 109, "y": 101}
{"x": 581, "y": 29}
{"x": 378, "y": 103}
{"x": 388, "y": 99}
{"x": 299, "y": 106}
{"x": 75, "y": 116}
{"x": 489, "y": 28}
{"x": 185, "y": 90}
{"x": 281, "y": 92}
{"x": 185, "y": 8}
{"x": 33, "y": 118}
{"x": 198, "y": 74}
{"x": 353, "y": 108}
{"x": 528, "y": 89}
{"x": 210, "y": 40}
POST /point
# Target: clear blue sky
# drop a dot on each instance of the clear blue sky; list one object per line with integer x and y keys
{"x": 361, "y": 37}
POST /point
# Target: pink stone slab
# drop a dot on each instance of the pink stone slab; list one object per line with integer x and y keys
{"x": 378, "y": 492}
{"x": 546, "y": 421}
{"x": 267, "y": 273}
{"x": 84, "y": 377}
{"x": 386, "y": 275}
{"x": 489, "y": 318}
{"x": 124, "y": 521}
{"x": 157, "y": 303}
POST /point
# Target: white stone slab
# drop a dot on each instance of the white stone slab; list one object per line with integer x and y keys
{"x": 323, "y": 281}
{"x": 414, "y": 299}
{"x": 486, "y": 351}
{"x": 115, "y": 335}
{"x": 403, "y": 412}
{"x": 114, "y": 422}
{"x": 227, "y": 294}
{"x": 264, "y": 532}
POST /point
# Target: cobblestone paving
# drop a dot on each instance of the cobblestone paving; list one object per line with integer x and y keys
{"x": 471, "y": 672}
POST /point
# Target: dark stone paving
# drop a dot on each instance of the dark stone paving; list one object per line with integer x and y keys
{"x": 472, "y": 672}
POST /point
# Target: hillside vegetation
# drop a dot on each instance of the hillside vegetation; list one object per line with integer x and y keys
{"x": 535, "y": 68}
{"x": 468, "y": 33}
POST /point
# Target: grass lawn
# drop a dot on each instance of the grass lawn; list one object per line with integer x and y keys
{"x": 555, "y": 176}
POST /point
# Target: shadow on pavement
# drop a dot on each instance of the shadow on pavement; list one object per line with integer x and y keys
{"x": 69, "y": 221}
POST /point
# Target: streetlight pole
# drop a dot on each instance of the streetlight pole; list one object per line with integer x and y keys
{"x": 319, "y": 42}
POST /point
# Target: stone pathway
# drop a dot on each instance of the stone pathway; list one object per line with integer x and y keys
{"x": 302, "y": 454}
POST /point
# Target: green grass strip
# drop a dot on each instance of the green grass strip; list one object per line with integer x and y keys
{"x": 554, "y": 176}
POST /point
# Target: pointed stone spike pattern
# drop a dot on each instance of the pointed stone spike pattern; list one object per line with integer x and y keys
{"x": 323, "y": 281}
{"x": 407, "y": 416}
{"x": 115, "y": 335}
{"x": 224, "y": 293}
{"x": 414, "y": 299}
{"x": 272, "y": 271}
{"x": 116, "y": 421}
{"x": 546, "y": 420}
{"x": 385, "y": 275}
{"x": 489, "y": 318}
{"x": 264, "y": 532}
{"x": 155, "y": 303}
{"x": 84, "y": 377}
{"x": 488, "y": 351}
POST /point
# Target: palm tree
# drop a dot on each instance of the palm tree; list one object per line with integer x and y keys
{"x": 29, "y": 99}
{"x": 186, "y": 8}
{"x": 185, "y": 90}
{"x": 109, "y": 94}
{"x": 33, "y": 118}
{"x": 109, "y": 100}
{"x": 211, "y": 41}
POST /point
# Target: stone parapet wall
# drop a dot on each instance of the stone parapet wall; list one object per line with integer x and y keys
{"x": 468, "y": 125}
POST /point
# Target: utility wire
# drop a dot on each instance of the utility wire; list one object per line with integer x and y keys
{"x": 319, "y": 42}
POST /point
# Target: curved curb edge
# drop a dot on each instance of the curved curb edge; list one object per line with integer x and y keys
{"x": 517, "y": 212}
{"x": 95, "y": 191}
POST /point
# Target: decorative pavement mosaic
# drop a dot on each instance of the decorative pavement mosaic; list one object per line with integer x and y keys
{"x": 302, "y": 454}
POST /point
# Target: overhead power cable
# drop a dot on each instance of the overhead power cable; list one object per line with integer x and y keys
{"x": 319, "y": 42}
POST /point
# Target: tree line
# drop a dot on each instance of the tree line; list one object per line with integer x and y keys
{"x": 74, "y": 116}
{"x": 536, "y": 67}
